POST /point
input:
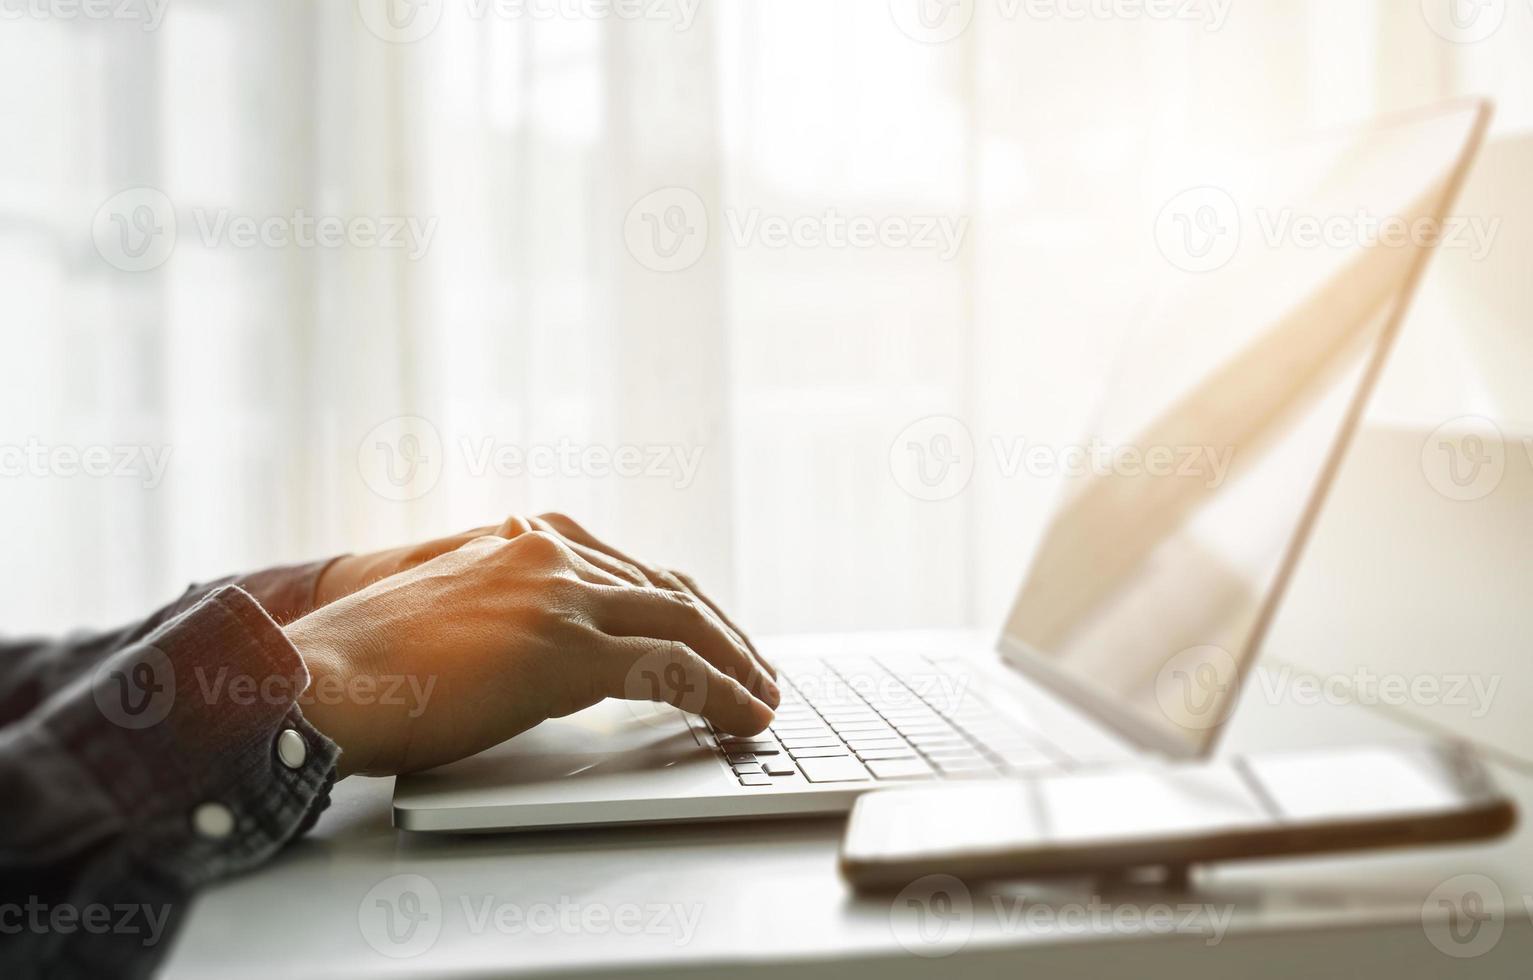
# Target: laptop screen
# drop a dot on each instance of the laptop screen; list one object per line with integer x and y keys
{"x": 1224, "y": 418}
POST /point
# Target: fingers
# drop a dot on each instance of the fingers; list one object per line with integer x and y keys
{"x": 692, "y": 587}
{"x": 619, "y": 569}
{"x": 658, "y": 577}
{"x": 572, "y": 531}
{"x": 640, "y": 668}
{"x": 682, "y": 617}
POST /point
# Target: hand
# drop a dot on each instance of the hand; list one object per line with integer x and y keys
{"x": 349, "y": 573}
{"x": 505, "y": 632}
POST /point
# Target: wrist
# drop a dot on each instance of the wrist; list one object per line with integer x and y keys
{"x": 323, "y": 702}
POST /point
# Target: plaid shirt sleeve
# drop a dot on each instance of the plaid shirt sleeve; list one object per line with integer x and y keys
{"x": 151, "y": 765}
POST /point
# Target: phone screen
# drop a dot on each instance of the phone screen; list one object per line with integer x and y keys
{"x": 1074, "y": 810}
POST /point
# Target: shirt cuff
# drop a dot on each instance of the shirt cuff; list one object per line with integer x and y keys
{"x": 196, "y": 736}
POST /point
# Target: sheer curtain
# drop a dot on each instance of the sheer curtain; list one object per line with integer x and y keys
{"x": 687, "y": 271}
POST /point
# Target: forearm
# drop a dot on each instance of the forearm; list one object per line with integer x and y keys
{"x": 31, "y": 670}
{"x": 157, "y": 772}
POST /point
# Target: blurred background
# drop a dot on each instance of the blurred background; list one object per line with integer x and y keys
{"x": 299, "y": 277}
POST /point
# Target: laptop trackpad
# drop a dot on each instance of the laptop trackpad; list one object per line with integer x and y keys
{"x": 611, "y": 738}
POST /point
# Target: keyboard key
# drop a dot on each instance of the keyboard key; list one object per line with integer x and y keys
{"x": 825, "y": 752}
{"x": 781, "y": 727}
{"x": 846, "y": 770}
{"x": 876, "y": 743}
{"x": 963, "y": 767}
{"x": 759, "y": 746}
{"x": 1025, "y": 756}
{"x": 899, "y": 769}
{"x": 786, "y": 737}
{"x": 755, "y": 779}
{"x": 849, "y": 715}
{"x": 746, "y": 768}
{"x": 738, "y": 758}
{"x": 815, "y": 742}
{"x": 940, "y": 740}
{"x": 847, "y": 727}
{"x": 951, "y": 752}
{"x": 777, "y": 767}
{"x": 871, "y": 755}
{"x": 924, "y": 728}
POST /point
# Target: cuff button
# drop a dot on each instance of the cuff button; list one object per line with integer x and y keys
{"x": 213, "y": 821}
{"x": 292, "y": 749}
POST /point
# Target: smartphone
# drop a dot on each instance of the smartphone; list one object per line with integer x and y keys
{"x": 1174, "y": 815}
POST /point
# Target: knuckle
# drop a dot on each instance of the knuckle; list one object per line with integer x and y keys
{"x": 538, "y": 544}
{"x": 630, "y": 571}
{"x": 513, "y": 526}
{"x": 557, "y": 519}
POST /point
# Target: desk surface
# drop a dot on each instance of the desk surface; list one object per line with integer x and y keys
{"x": 758, "y": 897}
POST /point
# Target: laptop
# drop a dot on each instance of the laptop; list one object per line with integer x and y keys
{"x": 1149, "y": 592}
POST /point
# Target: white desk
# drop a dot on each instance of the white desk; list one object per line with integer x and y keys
{"x": 762, "y": 898}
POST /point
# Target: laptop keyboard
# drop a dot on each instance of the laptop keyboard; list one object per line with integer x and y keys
{"x": 845, "y": 720}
